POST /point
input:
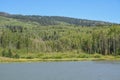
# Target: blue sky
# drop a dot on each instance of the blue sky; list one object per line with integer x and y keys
{"x": 105, "y": 10}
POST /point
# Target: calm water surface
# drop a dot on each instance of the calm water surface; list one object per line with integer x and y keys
{"x": 86, "y": 70}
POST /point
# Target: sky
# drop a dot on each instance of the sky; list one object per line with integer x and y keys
{"x": 103, "y": 10}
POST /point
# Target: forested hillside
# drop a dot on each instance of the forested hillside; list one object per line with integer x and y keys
{"x": 42, "y": 34}
{"x": 56, "y": 20}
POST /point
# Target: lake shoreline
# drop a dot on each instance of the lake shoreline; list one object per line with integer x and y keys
{"x": 7, "y": 60}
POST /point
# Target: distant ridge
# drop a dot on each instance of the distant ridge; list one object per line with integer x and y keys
{"x": 56, "y": 20}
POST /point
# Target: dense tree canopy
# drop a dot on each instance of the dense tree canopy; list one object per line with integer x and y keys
{"x": 17, "y": 37}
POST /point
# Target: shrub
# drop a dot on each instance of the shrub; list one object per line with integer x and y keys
{"x": 16, "y": 56}
{"x": 3, "y": 53}
{"x": 83, "y": 56}
{"x": 96, "y": 55}
{"x": 45, "y": 57}
{"x": 7, "y": 53}
{"x": 57, "y": 57}
{"x": 29, "y": 57}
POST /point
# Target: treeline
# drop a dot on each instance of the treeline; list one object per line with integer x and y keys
{"x": 56, "y": 20}
{"x": 103, "y": 42}
{"x": 15, "y": 40}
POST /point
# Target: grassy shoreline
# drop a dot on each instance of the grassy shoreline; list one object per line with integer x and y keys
{"x": 65, "y": 56}
{"x": 5, "y": 60}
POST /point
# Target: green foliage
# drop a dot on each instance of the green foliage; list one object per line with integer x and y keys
{"x": 7, "y": 53}
{"x": 55, "y": 20}
{"x": 4, "y": 53}
{"x": 17, "y": 37}
{"x": 97, "y": 56}
{"x": 83, "y": 56}
{"x": 16, "y": 56}
{"x": 29, "y": 57}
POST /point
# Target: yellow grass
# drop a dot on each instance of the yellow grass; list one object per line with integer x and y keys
{"x": 3, "y": 59}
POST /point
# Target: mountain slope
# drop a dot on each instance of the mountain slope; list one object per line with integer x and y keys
{"x": 55, "y": 20}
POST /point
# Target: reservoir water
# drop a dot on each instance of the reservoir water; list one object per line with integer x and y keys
{"x": 85, "y": 70}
